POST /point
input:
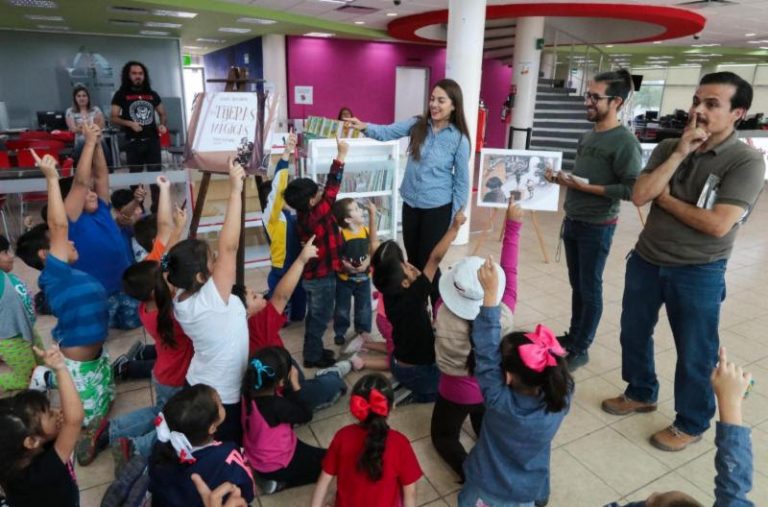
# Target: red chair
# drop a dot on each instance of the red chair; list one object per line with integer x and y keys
{"x": 5, "y": 161}
{"x": 35, "y": 135}
{"x": 16, "y": 144}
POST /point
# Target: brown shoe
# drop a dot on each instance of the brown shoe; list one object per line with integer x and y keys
{"x": 672, "y": 439}
{"x": 621, "y": 405}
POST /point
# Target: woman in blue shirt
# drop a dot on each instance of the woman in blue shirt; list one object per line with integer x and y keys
{"x": 436, "y": 180}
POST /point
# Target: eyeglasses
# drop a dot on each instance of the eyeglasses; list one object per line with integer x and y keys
{"x": 594, "y": 98}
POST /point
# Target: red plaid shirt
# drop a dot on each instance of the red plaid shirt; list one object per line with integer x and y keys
{"x": 320, "y": 222}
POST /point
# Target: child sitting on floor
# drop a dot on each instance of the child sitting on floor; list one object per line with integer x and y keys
{"x": 17, "y": 321}
{"x": 77, "y": 299}
{"x": 269, "y": 413}
{"x": 186, "y": 445}
{"x": 283, "y": 238}
{"x": 406, "y": 295}
{"x": 36, "y": 442}
{"x": 527, "y": 391}
{"x": 313, "y": 207}
{"x": 373, "y": 464}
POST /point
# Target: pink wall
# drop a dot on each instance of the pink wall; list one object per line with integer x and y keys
{"x": 361, "y": 76}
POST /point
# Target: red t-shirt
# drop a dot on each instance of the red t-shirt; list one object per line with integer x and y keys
{"x": 264, "y": 329}
{"x": 353, "y": 486}
{"x": 172, "y": 363}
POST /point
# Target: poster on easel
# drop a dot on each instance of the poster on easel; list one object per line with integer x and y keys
{"x": 520, "y": 173}
{"x": 227, "y": 124}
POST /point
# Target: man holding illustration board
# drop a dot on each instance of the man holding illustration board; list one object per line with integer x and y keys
{"x": 608, "y": 160}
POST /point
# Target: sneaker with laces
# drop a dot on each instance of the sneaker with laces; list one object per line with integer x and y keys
{"x": 341, "y": 368}
{"x": 122, "y": 451}
{"x": 671, "y": 439}
{"x": 354, "y": 345}
{"x": 118, "y": 367}
{"x": 135, "y": 351}
{"x": 41, "y": 379}
{"x": 92, "y": 441}
{"x": 403, "y": 397}
{"x": 267, "y": 486}
{"x": 576, "y": 360}
{"x": 622, "y": 405}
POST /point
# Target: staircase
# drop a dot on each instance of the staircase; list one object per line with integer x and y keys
{"x": 559, "y": 120}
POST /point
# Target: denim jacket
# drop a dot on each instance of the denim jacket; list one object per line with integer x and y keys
{"x": 441, "y": 176}
{"x": 733, "y": 463}
{"x": 511, "y": 457}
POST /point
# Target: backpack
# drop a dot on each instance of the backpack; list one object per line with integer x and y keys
{"x": 131, "y": 486}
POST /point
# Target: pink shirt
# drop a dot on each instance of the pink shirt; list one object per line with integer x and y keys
{"x": 267, "y": 449}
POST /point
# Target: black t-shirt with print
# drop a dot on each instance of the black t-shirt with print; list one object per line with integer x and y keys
{"x": 412, "y": 332}
{"x": 138, "y": 106}
{"x": 46, "y": 481}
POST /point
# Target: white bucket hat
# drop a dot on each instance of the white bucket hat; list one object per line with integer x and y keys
{"x": 461, "y": 290}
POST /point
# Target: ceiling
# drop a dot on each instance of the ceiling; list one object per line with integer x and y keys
{"x": 728, "y": 25}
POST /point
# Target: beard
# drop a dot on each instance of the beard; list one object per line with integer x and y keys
{"x": 594, "y": 115}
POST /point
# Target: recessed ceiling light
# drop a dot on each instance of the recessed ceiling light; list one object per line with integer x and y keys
{"x": 749, "y": 34}
{"x": 763, "y": 47}
{"x": 391, "y": 14}
{"x": 256, "y": 21}
{"x": 657, "y": 42}
{"x": 214, "y": 41}
{"x": 160, "y": 24}
{"x": 52, "y": 27}
{"x": 124, "y": 22}
{"x": 319, "y": 34}
{"x": 40, "y": 4}
{"x": 35, "y": 17}
{"x": 123, "y": 9}
{"x": 192, "y": 47}
{"x": 359, "y": 22}
{"x": 609, "y": 45}
{"x": 153, "y": 32}
{"x": 229, "y": 29}
{"x": 174, "y": 14}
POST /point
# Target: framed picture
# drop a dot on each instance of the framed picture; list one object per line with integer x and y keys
{"x": 520, "y": 173}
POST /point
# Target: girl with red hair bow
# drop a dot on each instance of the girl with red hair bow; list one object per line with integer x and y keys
{"x": 374, "y": 465}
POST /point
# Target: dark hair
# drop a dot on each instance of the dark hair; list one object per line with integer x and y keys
{"x": 257, "y": 381}
{"x": 191, "y": 411}
{"x": 371, "y": 460}
{"x": 65, "y": 184}
{"x": 145, "y": 231}
{"x": 125, "y": 77}
{"x": 619, "y": 83}
{"x": 420, "y": 129}
{"x": 139, "y": 280}
{"x": 19, "y": 419}
{"x": 340, "y": 211}
{"x": 4, "y": 243}
{"x": 742, "y": 97}
{"x": 77, "y": 89}
{"x": 30, "y": 243}
{"x": 120, "y": 198}
{"x": 298, "y": 193}
{"x": 341, "y": 112}
{"x": 493, "y": 182}
{"x": 680, "y": 502}
{"x": 555, "y": 381}
{"x": 387, "y": 263}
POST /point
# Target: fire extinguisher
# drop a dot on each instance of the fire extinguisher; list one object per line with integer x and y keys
{"x": 482, "y": 114}
{"x": 509, "y": 104}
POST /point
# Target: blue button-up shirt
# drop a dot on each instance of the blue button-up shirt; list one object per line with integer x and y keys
{"x": 441, "y": 176}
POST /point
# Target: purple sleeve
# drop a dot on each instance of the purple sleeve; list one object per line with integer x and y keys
{"x": 508, "y": 261}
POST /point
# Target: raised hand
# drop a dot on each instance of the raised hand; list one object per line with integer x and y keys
{"x": 514, "y": 211}
{"x": 309, "y": 251}
{"x": 52, "y": 357}
{"x": 215, "y": 498}
{"x": 355, "y": 124}
{"x": 140, "y": 194}
{"x": 290, "y": 143}
{"x": 163, "y": 181}
{"x": 693, "y": 135}
{"x": 342, "y": 149}
{"x": 47, "y": 164}
{"x": 236, "y": 175}
{"x": 92, "y": 133}
{"x": 489, "y": 279}
{"x": 179, "y": 217}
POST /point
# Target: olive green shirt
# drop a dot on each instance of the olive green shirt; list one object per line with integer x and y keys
{"x": 735, "y": 172}
{"x": 611, "y": 158}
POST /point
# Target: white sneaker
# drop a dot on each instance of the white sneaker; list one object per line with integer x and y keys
{"x": 341, "y": 368}
{"x": 354, "y": 345}
{"x": 38, "y": 381}
{"x": 358, "y": 363}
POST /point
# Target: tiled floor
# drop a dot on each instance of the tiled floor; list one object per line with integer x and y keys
{"x": 597, "y": 458}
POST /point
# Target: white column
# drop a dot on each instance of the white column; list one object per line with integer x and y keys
{"x": 276, "y": 75}
{"x": 525, "y": 75}
{"x": 464, "y": 64}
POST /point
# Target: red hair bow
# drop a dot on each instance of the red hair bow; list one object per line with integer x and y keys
{"x": 542, "y": 351}
{"x": 376, "y": 403}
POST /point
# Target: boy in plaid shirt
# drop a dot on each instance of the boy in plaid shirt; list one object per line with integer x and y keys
{"x": 314, "y": 218}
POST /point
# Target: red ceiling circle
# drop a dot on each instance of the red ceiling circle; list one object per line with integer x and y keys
{"x": 675, "y": 21}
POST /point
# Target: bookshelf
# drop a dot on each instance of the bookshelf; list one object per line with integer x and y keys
{"x": 371, "y": 171}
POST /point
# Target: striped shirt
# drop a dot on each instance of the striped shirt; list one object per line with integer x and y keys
{"x": 78, "y": 301}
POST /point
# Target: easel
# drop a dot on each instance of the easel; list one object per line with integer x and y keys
{"x": 236, "y": 80}
{"x": 536, "y": 228}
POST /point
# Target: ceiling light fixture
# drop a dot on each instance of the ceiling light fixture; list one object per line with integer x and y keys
{"x": 52, "y": 27}
{"x": 359, "y": 22}
{"x": 256, "y": 21}
{"x": 214, "y": 41}
{"x": 319, "y": 34}
{"x": 124, "y": 22}
{"x": 229, "y": 29}
{"x": 657, "y": 42}
{"x": 391, "y": 14}
{"x": 39, "y": 4}
{"x": 153, "y": 32}
{"x": 749, "y": 34}
{"x": 35, "y": 17}
{"x": 174, "y": 14}
{"x": 336, "y": 1}
{"x": 159, "y": 24}
{"x": 122, "y": 9}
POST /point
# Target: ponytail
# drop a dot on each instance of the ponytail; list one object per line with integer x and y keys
{"x": 164, "y": 303}
{"x": 557, "y": 386}
{"x": 370, "y": 403}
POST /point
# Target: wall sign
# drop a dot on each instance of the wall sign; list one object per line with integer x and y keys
{"x": 302, "y": 95}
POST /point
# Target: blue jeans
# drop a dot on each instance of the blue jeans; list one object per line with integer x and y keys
{"x": 322, "y": 391}
{"x": 321, "y": 293}
{"x": 586, "y": 250}
{"x": 123, "y": 311}
{"x": 692, "y": 296}
{"x": 421, "y": 379}
{"x": 472, "y": 496}
{"x": 361, "y": 292}
{"x": 139, "y": 425}
{"x": 297, "y": 305}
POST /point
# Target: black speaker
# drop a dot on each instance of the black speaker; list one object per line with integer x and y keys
{"x": 637, "y": 80}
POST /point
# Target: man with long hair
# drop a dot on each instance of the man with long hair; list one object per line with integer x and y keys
{"x": 133, "y": 107}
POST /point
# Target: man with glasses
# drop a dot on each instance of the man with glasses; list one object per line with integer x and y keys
{"x": 701, "y": 186}
{"x": 608, "y": 159}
